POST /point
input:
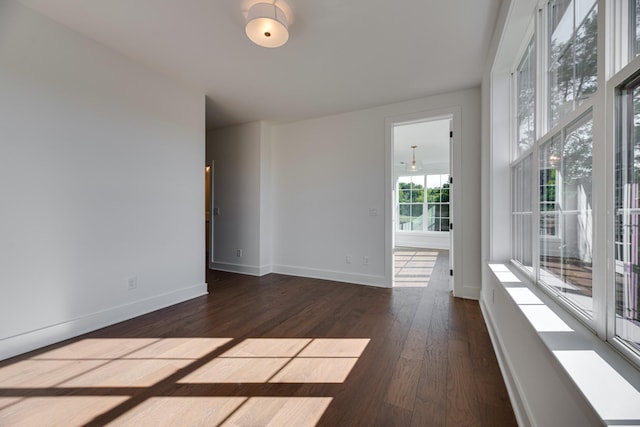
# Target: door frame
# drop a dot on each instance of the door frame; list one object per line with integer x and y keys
{"x": 455, "y": 256}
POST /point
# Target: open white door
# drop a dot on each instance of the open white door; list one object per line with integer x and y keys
{"x": 451, "y": 205}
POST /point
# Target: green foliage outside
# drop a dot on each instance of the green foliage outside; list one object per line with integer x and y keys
{"x": 411, "y": 205}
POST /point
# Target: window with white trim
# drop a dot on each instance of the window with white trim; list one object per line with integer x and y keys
{"x": 423, "y": 203}
{"x": 627, "y": 216}
{"x": 551, "y": 174}
{"x": 566, "y": 224}
{"x": 526, "y": 97}
{"x": 410, "y": 203}
{"x": 573, "y": 53}
{"x": 522, "y": 212}
{"x": 553, "y": 232}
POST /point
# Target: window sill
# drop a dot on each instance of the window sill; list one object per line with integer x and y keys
{"x": 422, "y": 233}
{"x": 608, "y": 382}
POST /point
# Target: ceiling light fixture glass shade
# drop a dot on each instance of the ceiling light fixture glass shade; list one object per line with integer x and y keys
{"x": 267, "y": 25}
{"x": 413, "y": 166}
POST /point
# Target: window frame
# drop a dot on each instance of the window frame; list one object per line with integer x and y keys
{"x": 540, "y": 31}
{"x": 581, "y": 313}
{"x": 627, "y": 75}
{"x": 425, "y": 204}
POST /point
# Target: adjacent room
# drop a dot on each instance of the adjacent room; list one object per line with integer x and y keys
{"x": 421, "y": 208}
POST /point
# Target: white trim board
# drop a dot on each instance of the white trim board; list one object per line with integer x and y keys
{"x": 32, "y": 340}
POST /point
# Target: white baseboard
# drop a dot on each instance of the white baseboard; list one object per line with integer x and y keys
{"x": 32, "y": 340}
{"x": 470, "y": 292}
{"x": 251, "y": 270}
{"x": 515, "y": 396}
{"x": 338, "y": 276}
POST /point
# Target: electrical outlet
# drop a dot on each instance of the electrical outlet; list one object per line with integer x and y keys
{"x": 365, "y": 260}
{"x": 239, "y": 253}
{"x": 132, "y": 283}
{"x": 347, "y": 259}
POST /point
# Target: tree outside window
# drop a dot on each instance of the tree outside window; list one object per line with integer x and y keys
{"x": 412, "y": 204}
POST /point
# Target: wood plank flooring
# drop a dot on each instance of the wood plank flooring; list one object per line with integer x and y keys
{"x": 276, "y": 350}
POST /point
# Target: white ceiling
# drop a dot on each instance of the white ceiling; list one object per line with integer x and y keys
{"x": 431, "y": 139}
{"x": 342, "y": 55}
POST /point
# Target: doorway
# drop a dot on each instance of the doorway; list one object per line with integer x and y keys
{"x": 421, "y": 196}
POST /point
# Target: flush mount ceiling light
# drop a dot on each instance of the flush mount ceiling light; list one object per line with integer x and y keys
{"x": 267, "y": 25}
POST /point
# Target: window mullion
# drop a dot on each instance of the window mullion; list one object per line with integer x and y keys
{"x": 542, "y": 76}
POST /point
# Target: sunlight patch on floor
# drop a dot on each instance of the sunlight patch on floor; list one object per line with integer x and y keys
{"x": 82, "y": 381}
{"x": 280, "y": 411}
{"x": 176, "y": 411}
{"x": 283, "y": 360}
{"x": 413, "y": 267}
{"x": 57, "y": 410}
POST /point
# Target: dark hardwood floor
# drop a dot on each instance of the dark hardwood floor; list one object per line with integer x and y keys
{"x": 277, "y": 349}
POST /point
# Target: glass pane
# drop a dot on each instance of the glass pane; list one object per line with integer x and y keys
{"x": 583, "y": 9}
{"x": 521, "y": 212}
{"x": 549, "y": 163}
{"x": 416, "y": 220}
{"x": 635, "y": 15}
{"x": 417, "y": 195}
{"x": 627, "y": 223}
{"x": 566, "y": 234}
{"x": 561, "y": 82}
{"x": 561, "y": 20}
{"x": 431, "y": 218}
{"x": 576, "y": 261}
{"x": 436, "y": 181}
{"x": 444, "y": 225}
{"x": 404, "y": 180}
{"x": 444, "y": 193}
{"x": 586, "y": 54}
{"x": 404, "y": 217}
{"x": 404, "y": 196}
{"x": 572, "y": 55}
{"x": 417, "y": 181}
{"x": 444, "y": 211}
{"x": 526, "y": 100}
{"x": 433, "y": 195}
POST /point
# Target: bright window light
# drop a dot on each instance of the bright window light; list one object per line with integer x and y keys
{"x": 543, "y": 319}
{"x": 610, "y": 394}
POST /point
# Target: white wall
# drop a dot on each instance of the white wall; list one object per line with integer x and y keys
{"x": 101, "y": 179}
{"x": 329, "y": 172}
{"x": 241, "y": 159}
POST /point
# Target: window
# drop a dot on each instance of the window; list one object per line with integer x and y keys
{"x": 627, "y": 217}
{"x": 521, "y": 212}
{"x": 438, "y": 202}
{"x": 573, "y": 55}
{"x": 552, "y": 227}
{"x": 525, "y": 104}
{"x": 412, "y": 203}
{"x": 566, "y": 226}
